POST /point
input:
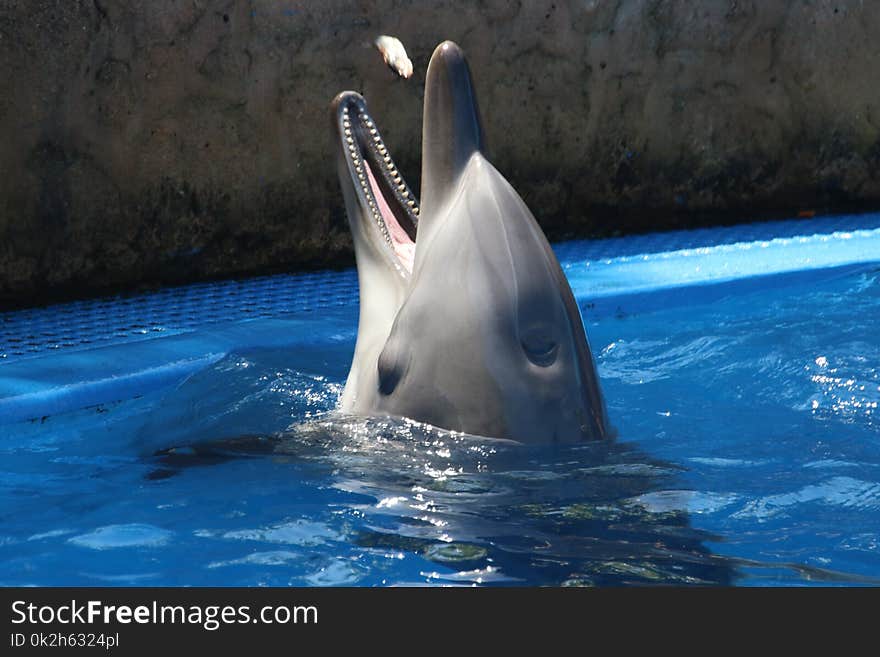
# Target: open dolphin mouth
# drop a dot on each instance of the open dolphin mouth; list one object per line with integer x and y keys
{"x": 382, "y": 193}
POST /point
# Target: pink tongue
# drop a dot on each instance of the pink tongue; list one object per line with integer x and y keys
{"x": 404, "y": 247}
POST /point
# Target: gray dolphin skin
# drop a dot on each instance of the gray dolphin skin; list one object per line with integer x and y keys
{"x": 467, "y": 321}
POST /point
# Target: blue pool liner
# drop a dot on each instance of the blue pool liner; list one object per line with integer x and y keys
{"x": 75, "y": 355}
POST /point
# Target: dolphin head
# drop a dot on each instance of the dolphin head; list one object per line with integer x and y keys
{"x": 467, "y": 320}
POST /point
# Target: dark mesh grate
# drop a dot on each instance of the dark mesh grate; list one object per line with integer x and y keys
{"x": 84, "y": 324}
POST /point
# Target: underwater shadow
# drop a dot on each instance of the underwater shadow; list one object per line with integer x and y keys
{"x": 493, "y": 512}
{"x": 504, "y": 513}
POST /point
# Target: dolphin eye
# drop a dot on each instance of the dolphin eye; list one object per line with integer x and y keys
{"x": 540, "y": 348}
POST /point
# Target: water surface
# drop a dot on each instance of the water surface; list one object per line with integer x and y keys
{"x": 748, "y": 453}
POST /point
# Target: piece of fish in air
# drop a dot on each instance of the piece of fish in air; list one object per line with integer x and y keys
{"x": 395, "y": 55}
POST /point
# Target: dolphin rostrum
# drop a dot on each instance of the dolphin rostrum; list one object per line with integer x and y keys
{"x": 467, "y": 321}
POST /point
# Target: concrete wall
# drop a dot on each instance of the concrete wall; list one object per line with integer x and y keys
{"x": 161, "y": 141}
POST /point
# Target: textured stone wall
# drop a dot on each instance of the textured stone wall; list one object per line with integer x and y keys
{"x": 161, "y": 141}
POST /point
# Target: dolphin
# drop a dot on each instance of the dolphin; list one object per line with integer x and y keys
{"x": 467, "y": 321}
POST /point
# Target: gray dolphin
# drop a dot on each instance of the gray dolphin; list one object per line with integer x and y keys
{"x": 467, "y": 321}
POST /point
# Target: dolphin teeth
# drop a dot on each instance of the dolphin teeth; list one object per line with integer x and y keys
{"x": 358, "y": 139}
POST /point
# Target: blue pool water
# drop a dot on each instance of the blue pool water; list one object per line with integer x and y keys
{"x": 186, "y": 437}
